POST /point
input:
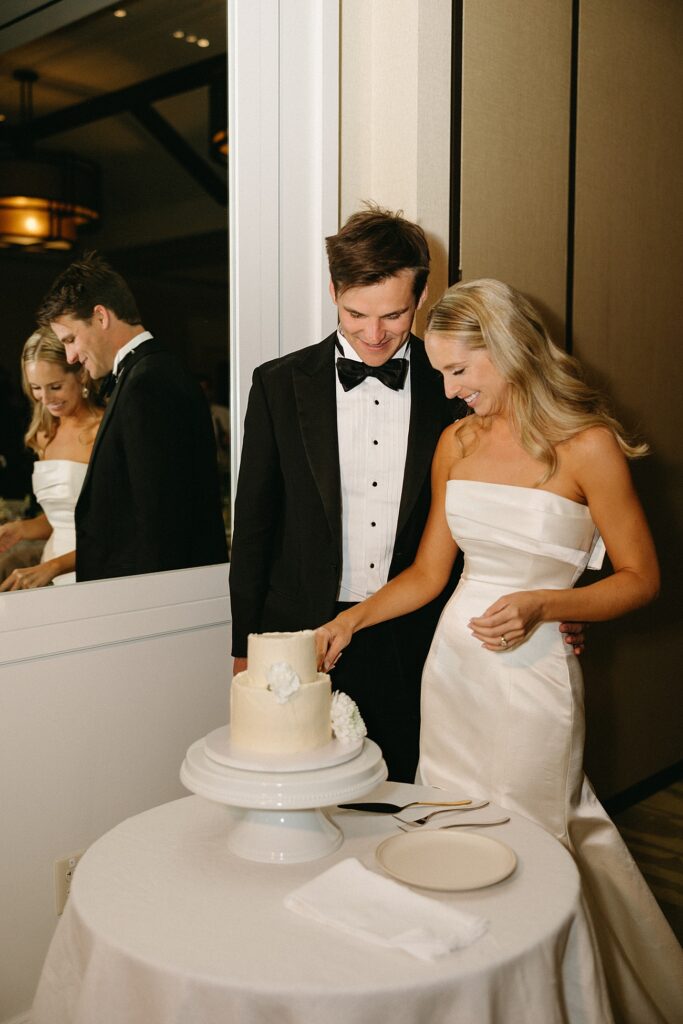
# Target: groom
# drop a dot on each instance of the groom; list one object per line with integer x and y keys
{"x": 334, "y": 483}
{"x": 150, "y": 498}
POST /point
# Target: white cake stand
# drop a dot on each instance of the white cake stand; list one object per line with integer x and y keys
{"x": 280, "y": 817}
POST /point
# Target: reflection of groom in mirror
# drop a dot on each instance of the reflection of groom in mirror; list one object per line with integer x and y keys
{"x": 334, "y": 483}
{"x": 150, "y": 498}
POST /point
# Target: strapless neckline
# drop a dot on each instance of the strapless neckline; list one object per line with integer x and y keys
{"x": 66, "y": 462}
{"x": 517, "y": 487}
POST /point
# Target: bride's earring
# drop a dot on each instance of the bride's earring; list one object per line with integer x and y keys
{"x": 84, "y": 391}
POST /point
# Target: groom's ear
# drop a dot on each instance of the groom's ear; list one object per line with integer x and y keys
{"x": 102, "y": 316}
{"x": 422, "y": 298}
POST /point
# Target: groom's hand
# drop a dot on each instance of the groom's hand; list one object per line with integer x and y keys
{"x": 239, "y": 665}
{"x": 574, "y": 635}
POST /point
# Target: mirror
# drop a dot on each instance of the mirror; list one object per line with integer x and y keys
{"x": 138, "y": 90}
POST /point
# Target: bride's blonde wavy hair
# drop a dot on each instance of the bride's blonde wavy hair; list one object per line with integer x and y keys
{"x": 45, "y": 346}
{"x": 550, "y": 400}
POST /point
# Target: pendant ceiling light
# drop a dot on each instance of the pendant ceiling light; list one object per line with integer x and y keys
{"x": 44, "y": 198}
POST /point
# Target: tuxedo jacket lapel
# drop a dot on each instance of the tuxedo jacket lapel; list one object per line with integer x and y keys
{"x": 129, "y": 362}
{"x": 314, "y": 385}
{"x": 422, "y": 432}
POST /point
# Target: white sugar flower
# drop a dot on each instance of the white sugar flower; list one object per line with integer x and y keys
{"x": 347, "y": 724}
{"x": 283, "y": 681}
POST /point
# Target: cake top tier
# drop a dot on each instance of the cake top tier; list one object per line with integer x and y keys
{"x": 296, "y": 650}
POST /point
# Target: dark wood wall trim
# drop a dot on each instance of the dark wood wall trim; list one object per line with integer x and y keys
{"x": 454, "y": 270}
{"x": 645, "y": 788}
{"x": 571, "y": 178}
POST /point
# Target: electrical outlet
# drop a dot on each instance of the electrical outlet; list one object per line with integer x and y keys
{"x": 64, "y": 872}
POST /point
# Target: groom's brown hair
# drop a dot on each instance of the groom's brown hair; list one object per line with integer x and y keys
{"x": 87, "y": 283}
{"x": 375, "y": 244}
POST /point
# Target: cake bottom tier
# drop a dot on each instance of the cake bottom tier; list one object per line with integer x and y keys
{"x": 259, "y": 723}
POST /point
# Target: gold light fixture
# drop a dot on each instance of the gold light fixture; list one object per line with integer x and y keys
{"x": 218, "y": 120}
{"x": 46, "y": 198}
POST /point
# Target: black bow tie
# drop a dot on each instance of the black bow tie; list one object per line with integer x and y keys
{"x": 392, "y": 373}
{"x": 108, "y": 383}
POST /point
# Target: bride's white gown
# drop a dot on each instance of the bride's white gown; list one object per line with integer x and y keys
{"x": 56, "y": 485}
{"x": 509, "y": 726}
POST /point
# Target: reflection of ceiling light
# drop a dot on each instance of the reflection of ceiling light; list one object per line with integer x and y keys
{"x": 3, "y": 117}
{"x": 219, "y": 146}
{"x": 44, "y": 198}
{"x": 191, "y": 38}
{"x": 120, "y": 13}
{"x": 218, "y": 120}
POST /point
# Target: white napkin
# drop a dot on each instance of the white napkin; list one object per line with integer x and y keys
{"x": 371, "y": 907}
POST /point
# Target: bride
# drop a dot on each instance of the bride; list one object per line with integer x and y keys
{"x": 528, "y": 487}
{"x": 66, "y": 416}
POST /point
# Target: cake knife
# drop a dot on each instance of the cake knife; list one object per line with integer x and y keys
{"x": 381, "y": 808}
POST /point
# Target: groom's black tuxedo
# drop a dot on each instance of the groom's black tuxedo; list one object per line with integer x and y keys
{"x": 150, "y": 499}
{"x": 287, "y": 541}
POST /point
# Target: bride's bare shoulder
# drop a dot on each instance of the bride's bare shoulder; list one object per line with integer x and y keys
{"x": 454, "y": 444}
{"x": 592, "y": 443}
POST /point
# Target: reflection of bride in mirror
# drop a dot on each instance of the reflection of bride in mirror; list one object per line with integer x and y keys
{"x": 66, "y": 416}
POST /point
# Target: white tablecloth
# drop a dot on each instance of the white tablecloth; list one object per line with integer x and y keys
{"x": 165, "y": 926}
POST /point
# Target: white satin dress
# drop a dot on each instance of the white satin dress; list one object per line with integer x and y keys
{"x": 509, "y": 726}
{"x": 56, "y": 485}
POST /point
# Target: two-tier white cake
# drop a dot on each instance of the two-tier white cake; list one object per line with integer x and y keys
{"x": 281, "y": 704}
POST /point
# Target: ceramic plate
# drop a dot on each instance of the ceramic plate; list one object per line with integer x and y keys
{"x": 219, "y": 747}
{"x": 446, "y": 861}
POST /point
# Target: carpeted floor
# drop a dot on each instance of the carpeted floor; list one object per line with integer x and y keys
{"x": 653, "y": 832}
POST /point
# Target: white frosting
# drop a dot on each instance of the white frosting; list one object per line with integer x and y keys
{"x": 294, "y": 649}
{"x": 281, "y": 704}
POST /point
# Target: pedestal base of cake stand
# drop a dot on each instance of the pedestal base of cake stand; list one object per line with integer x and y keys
{"x": 280, "y": 817}
{"x": 284, "y": 837}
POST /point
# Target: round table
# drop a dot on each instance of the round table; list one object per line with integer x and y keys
{"x": 164, "y": 925}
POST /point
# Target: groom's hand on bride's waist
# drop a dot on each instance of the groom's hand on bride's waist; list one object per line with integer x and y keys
{"x": 573, "y": 635}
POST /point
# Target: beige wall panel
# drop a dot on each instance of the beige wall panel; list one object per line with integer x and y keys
{"x": 379, "y": 104}
{"x": 395, "y": 115}
{"x": 628, "y": 319}
{"x": 516, "y": 77}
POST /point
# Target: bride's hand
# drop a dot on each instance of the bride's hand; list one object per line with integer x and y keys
{"x": 28, "y": 579}
{"x": 10, "y": 534}
{"x": 330, "y": 640}
{"x": 509, "y": 621}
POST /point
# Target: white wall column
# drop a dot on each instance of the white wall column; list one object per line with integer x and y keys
{"x": 284, "y": 100}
